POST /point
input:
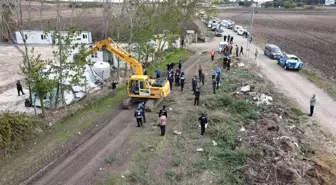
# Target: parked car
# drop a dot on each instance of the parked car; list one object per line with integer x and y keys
{"x": 241, "y": 32}
{"x": 229, "y": 25}
{"x": 272, "y": 51}
{"x": 290, "y": 62}
{"x": 221, "y": 46}
{"x": 219, "y": 32}
{"x": 237, "y": 27}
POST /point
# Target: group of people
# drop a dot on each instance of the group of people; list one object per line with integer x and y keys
{"x": 163, "y": 118}
{"x": 229, "y": 39}
{"x": 178, "y": 78}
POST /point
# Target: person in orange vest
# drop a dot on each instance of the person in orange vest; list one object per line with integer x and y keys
{"x": 212, "y": 54}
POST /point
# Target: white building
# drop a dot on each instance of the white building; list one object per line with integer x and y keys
{"x": 40, "y": 37}
{"x": 33, "y": 37}
{"x": 329, "y": 2}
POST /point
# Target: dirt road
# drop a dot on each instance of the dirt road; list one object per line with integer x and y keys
{"x": 87, "y": 165}
{"x": 291, "y": 83}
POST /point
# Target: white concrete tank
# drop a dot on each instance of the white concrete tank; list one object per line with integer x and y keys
{"x": 102, "y": 69}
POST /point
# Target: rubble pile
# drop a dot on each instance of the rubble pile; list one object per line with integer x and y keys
{"x": 276, "y": 156}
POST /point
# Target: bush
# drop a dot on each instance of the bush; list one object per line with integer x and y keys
{"x": 289, "y": 4}
{"x": 308, "y": 7}
{"x": 15, "y": 128}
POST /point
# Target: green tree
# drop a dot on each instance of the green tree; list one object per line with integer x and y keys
{"x": 37, "y": 75}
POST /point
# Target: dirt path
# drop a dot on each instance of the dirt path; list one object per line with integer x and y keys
{"x": 87, "y": 165}
{"x": 291, "y": 83}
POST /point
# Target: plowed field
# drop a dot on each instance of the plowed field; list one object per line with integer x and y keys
{"x": 309, "y": 34}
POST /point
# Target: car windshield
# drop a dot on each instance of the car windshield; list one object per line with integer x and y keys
{"x": 276, "y": 50}
{"x": 222, "y": 45}
{"x": 293, "y": 58}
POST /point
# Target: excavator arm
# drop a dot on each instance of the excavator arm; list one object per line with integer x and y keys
{"x": 109, "y": 45}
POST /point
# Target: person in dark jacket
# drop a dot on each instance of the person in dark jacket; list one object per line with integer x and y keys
{"x": 197, "y": 97}
{"x": 214, "y": 84}
{"x": 213, "y": 75}
{"x": 237, "y": 51}
{"x": 114, "y": 87}
{"x": 228, "y": 64}
{"x": 19, "y": 87}
{"x": 163, "y": 111}
{"x": 228, "y": 38}
{"x": 231, "y": 40}
{"x": 203, "y": 121}
{"x": 158, "y": 73}
{"x": 224, "y": 62}
{"x": 241, "y": 50}
{"x": 194, "y": 84}
{"x": 225, "y": 38}
{"x": 141, "y": 106}
{"x": 177, "y": 77}
{"x": 171, "y": 79}
{"x": 218, "y": 71}
{"x": 180, "y": 65}
{"x": 182, "y": 81}
{"x": 138, "y": 116}
{"x": 200, "y": 70}
{"x": 202, "y": 78}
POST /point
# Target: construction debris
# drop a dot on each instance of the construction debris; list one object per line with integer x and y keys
{"x": 200, "y": 150}
{"x": 246, "y": 88}
{"x": 177, "y": 132}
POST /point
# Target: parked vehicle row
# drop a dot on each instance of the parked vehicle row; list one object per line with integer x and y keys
{"x": 287, "y": 61}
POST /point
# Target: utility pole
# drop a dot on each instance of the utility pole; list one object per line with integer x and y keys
{"x": 250, "y": 36}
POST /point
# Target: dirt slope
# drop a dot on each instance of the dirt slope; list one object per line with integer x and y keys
{"x": 291, "y": 83}
{"x": 86, "y": 165}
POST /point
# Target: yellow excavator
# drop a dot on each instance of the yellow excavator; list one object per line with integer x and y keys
{"x": 140, "y": 87}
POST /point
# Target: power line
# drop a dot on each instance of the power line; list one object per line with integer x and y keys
{"x": 300, "y": 29}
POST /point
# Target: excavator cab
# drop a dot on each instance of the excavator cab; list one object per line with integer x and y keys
{"x": 138, "y": 86}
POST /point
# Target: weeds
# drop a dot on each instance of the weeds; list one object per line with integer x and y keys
{"x": 306, "y": 148}
{"x": 296, "y": 111}
{"x": 111, "y": 159}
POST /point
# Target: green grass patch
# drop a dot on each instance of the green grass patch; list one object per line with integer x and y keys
{"x": 296, "y": 111}
{"x": 174, "y": 57}
{"x": 306, "y": 148}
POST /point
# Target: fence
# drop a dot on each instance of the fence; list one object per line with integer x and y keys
{"x": 50, "y": 160}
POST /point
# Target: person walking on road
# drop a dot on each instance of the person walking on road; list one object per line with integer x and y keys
{"x": 163, "y": 122}
{"x": 228, "y": 64}
{"x": 138, "y": 116}
{"x": 256, "y": 54}
{"x": 19, "y": 87}
{"x": 200, "y": 72}
{"x": 228, "y": 40}
{"x": 180, "y": 65}
{"x": 194, "y": 84}
{"x": 163, "y": 111}
{"x": 202, "y": 78}
{"x": 177, "y": 77}
{"x": 197, "y": 97}
{"x": 312, "y": 105}
{"x": 141, "y": 106}
{"x": 225, "y": 38}
{"x": 241, "y": 50}
{"x": 214, "y": 84}
{"x": 182, "y": 81}
{"x": 231, "y": 40}
{"x": 237, "y": 51}
{"x": 213, "y": 75}
{"x": 114, "y": 87}
{"x": 212, "y": 54}
{"x": 171, "y": 79}
{"x": 203, "y": 122}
